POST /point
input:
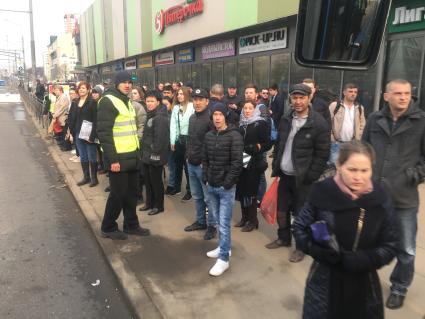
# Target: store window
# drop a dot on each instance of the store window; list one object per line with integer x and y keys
{"x": 261, "y": 70}
{"x": 206, "y": 76}
{"x": 217, "y": 72}
{"x": 179, "y": 76}
{"x": 186, "y": 73}
{"x": 196, "y": 75}
{"x": 229, "y": 74}
{"x": 279, "y": 71}
{"x": 404, "y": 58}
{"x": 147, "y": 77}
{"x": 366, "y": 81}
{"x": 244, "y": 73}
{"x": 299, "y": 73}
{"x": 328, "y": 80}
{"x": 422, "y": 92}
{"x": 171, "y": 73}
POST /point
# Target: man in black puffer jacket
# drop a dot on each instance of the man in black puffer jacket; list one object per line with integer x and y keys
{"x": 199, "y": 124}
{"x": 221, "y": 166}
{"x": 299, "y": 159}
{"x": 117, "y": 132}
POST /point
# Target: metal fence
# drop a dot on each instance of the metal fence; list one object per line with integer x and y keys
{"x": 34, "y": 106}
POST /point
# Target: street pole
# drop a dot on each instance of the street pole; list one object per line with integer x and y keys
{"x": 23, "y": 59}
{"x": 32, "y": 48}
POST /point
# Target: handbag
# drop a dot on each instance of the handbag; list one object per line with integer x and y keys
{"x": 269, "y": 203}
{"x": 181, "y": 139}
{"x": 57, "y": 128}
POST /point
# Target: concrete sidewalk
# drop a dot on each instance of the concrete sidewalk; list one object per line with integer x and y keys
{"x": 166, "y": 275}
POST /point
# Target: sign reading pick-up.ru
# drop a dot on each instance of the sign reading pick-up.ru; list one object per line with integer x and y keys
{"x": 264, "y": 41}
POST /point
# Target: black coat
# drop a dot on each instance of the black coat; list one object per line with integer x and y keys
{"x": 277, "y": 106}
{"x": 249, "y": 180}
{"x": 310, "y": 149}
{"x": 156, "y": 141}
{"x": 234, "y": 115}
{"x": 222, "y": 161}
{"x": 346, "y": 285}
{"x": 400, "y": 155}
{"x": 87, "y": 112}
{"x": 106, "y": 114}
{"x": 199, "y": 125}
{"x": 72, "y": 117}
{"x": 322, "y": 107}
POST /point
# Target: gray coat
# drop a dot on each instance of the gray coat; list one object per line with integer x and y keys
{"x": 400, "y": 160}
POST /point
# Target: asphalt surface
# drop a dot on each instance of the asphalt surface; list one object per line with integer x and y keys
{"x": 51, "y": 265}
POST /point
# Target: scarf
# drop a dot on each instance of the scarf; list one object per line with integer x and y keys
{"x": 354, "y": 195}
{"x": 256, "y": 116}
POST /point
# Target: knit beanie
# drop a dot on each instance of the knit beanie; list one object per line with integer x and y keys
{"x": 121, "y": 77}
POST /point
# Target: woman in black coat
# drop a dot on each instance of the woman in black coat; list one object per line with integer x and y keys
{"x": 85, "y": 116}
{"x": 155, "y": 146}
{"x": 256, "y": 138}
{"x": 347, "y": 225}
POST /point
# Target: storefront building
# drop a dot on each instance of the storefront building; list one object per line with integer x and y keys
{"x": 233, "y": 42}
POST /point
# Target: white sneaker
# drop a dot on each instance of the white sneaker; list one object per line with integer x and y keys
{"x": 219, "y": 268}
{"x": 73, "y": 152}
{"x": 216, "y": 252}
{"x": 77, "y": 160}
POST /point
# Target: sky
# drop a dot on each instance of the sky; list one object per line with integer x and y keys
{"x": 48, "y": 20}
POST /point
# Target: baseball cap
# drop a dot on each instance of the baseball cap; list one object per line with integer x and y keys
{"x": 200, "y": 93}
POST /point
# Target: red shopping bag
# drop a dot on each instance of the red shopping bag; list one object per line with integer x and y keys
{"x": 269, "y": 203}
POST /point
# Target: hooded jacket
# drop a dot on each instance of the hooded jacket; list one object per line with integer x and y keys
{"x": 400, "y": 160}
{"x": 222, "y": 161}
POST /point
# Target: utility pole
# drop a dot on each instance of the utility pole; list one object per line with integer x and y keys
{"x": 32, "y": 48}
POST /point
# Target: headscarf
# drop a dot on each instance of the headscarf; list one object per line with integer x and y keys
{"x": 256, "y": 116}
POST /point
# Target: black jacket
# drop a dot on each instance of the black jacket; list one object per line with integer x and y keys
{"x": 277, "y": 106}
{"x": 87, "y": 112}
{"x": 199, "y": 125}
{"x": 322, "y": 107}
{"x": 310, "y": 149}
{"x": 253, "y": 134}
{"x": 106, "y": 114}
{"x": 222, "y": 162}
{"x": 345, "y": 284}
{"x": 236, "y": 99}
{"x": 156, "y": 141}
{"x": 400, "y": 154}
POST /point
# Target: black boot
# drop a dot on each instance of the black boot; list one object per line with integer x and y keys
{"x": 93, "y": 174}
{"x": 86, "y": 172}
{"x": 244, "y": 218}
{"x": 252, "y": 218}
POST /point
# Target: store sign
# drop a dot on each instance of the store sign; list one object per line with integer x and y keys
{"x": 218, "y": 49}
{"x": 264, "y": 41}
{"x": 130, "y": 65}
{"x": 164, "y": 58}
{"x": 186, "y": 55}
{"x": 177, "y": 14}
{"x": 106, "y": 69}
{"x": 409, "y": 17}
{"x": 145, "y": 62}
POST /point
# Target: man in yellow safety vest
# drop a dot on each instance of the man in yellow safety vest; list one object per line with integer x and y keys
{"x": 117, "y": 132}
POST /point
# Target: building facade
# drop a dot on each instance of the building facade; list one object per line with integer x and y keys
{"x": 61, "y": 58}
{"x": 232, "y": 42}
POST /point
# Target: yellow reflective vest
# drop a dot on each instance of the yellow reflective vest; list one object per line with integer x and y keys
{"x": 52, "y": 99}
{"x": 125, "y": 129}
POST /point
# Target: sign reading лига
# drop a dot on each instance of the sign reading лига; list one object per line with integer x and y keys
{"x": 407, "y": 16}
{"x": 177, "y": 14}
{"x": 264, "y": 41}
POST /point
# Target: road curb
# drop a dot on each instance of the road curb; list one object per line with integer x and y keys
{"x": 140, "y": 300}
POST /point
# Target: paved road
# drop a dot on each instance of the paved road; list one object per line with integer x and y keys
{"x": 49, "y": 258}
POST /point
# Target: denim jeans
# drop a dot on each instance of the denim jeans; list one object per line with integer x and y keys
{"x": 200, "y": 195}
{"x": 221, "y": 206}
{"x": 262, "y": 187}
{"x": 87, "y": 151}
{"x": 171, "y": 170}
{"x": 402, "y": 275}
{"x": 334, "y": 152}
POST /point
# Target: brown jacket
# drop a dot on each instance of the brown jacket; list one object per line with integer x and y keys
{"x": 61, "y": 109}
{"x": 338, "y": 119}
